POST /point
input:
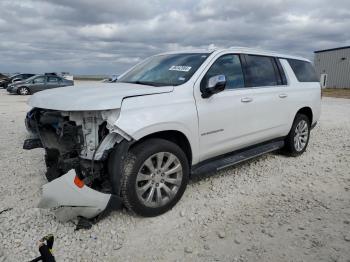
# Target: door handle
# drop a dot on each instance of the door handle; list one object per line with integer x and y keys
{"x": 282, "y": 95}
{"x": 246, "y": 99}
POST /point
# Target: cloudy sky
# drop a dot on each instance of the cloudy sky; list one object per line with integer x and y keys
{"x": 106, "y": 37}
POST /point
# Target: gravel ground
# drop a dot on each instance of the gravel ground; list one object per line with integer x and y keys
{"x": 273, "y": 208}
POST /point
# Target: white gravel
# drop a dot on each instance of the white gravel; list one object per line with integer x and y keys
{"x": 273, "y": 208}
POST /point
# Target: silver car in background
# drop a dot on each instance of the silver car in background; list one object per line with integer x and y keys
{"x": 38, "y": 83}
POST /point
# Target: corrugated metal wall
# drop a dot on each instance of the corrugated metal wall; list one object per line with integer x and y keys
{"x": 336, "y": 64}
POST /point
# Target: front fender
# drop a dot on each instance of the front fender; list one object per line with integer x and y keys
{"x": 142, "y": 116}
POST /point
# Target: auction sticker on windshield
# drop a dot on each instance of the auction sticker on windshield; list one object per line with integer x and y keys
{"x": 180, "y": 68}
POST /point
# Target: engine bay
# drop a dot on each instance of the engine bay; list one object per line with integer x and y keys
{"x": 74, "y": 140}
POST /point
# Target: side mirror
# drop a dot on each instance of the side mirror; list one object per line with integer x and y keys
{"x": 214, "y": 85}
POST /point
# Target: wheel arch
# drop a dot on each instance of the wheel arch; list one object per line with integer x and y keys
{"x": 175, "y": 136}
{"x": 306, "y": 111}
{"x": 23, "y": 87}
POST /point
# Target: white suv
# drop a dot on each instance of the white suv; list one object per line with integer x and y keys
{"x": 173, "y": 115}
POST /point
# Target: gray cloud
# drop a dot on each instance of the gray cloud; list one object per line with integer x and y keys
{"x": 109, "y": 36}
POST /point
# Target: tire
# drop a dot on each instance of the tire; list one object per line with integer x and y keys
{"x": 51, "y": 161}
{"x": 300, "y": 131}
{"x": 138, "y": 177}
{"x": 23, "y": 91}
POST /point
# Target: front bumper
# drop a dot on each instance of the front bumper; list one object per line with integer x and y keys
{"x": 12, "y": 89}
{"x": 69, "y": 200}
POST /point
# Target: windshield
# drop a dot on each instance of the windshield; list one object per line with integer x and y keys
{"x": 29, "y": 79}
{"x": 164, "y": 70}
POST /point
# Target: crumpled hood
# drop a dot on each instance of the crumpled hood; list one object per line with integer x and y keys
{"x": 92, "y": 97}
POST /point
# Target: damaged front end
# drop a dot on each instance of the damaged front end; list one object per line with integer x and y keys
{"x": 77, "y": 147}
{"x": 70, "y": 198}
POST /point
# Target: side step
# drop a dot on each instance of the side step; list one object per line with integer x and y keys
{"x": 236, "y": 157}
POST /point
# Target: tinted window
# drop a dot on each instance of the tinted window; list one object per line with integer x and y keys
{"x": 230, "y": 66}
{"x": 39, "y": 80}
{"x": 52, "y": 79}
{"x": 163, "y": 70}
{"x": 261, "y": 71}
{"x": 303, "y": 70}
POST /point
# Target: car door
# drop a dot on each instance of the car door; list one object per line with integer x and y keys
{"x": 236, "y": 117}
{"x": 38, "y": 84}
{"x": 268, "y": 89}
{"x": 53, "y": 82}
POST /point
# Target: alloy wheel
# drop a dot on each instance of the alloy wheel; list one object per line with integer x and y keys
{"x": 23, "y": 91}
{"x": 159, "y": 179}
{"x": 301, "y": 135}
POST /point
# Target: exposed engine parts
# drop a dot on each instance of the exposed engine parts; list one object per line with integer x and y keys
{"x": 75, "y": 140}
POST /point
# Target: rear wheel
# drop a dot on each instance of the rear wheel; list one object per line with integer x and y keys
{"x": 23, "y": 91}
{"x": 155, "y": 177}
{"x": 298, "y": 137}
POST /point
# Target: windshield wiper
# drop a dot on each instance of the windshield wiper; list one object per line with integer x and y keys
{"x": 144, "y": 83}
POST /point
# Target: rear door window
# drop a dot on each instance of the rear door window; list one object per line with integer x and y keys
{"x": 261, "y": 71}
{"x": 303, "y": 70}
{"x": 52, "y": 79}
{"x": 230, "y": 66}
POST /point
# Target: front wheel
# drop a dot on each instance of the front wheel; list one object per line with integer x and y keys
{"x": 23, "y": 91}
{"x": 298, "y": 137}
{"x": 155, "y": 177}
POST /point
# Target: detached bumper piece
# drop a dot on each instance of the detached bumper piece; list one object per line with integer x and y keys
{"x": 32, "y": 143}
{"x": 70, "y": 198}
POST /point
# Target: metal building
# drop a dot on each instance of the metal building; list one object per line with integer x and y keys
{"x": 333, "y": 67}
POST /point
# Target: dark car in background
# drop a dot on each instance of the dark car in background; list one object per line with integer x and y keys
{"x": 38, "y": 83}
{"x": 2, "y": 76}
{"x": 15, "y": 78}
{"x": 3, "y": 79}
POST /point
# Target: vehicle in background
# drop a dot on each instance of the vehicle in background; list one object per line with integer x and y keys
{"x": 65, "y": 75}
{"x": 2, "y": 76}
{"x": 38, "y": 83}
{"x": 111, "y": 79}
{"x": 15, "y": 78}
{"x": 3, "y": 79}
{"x": 173, "y": 115}
{"x": 51, "y": 74}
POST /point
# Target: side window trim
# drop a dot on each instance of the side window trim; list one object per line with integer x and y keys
{"x": 239, "y": 55}
{"x": 308, "y": 68}
{"x": 244, "y": 70}
{"x": 279, "y": 72}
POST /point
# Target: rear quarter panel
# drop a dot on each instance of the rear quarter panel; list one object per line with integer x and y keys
{"x": 301, "y": 94}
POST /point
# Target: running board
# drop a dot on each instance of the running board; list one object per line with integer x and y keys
{"x": 236, "y": 157}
